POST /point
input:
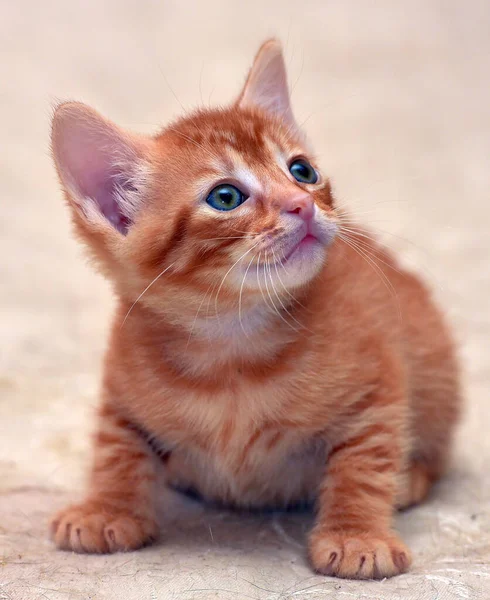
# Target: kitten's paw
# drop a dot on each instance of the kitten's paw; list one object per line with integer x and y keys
{"x": 358, "y": 555}
{"x": 96, "y": 527}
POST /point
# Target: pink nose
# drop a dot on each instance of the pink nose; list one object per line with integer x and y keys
{"x": 300, "y": 204}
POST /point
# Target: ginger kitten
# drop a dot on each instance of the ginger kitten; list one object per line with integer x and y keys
{"x": 258, "y": 353}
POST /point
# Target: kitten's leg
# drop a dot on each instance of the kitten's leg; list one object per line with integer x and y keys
{"x": 353, "y": 535}
{"x": 119, "y": 511}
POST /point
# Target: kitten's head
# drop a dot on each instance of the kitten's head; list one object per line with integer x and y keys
{"x": 223, "y": 204}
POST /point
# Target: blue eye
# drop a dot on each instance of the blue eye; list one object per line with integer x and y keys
{"x": 302, "y": 171}
{"x": 225, "y": 197}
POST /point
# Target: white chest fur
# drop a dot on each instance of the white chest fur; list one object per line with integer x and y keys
{"x": 273, "y": 468}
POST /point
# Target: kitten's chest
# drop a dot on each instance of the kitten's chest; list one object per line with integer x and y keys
{"x": 245, "y": 444}
{"x": 242, "y": 462}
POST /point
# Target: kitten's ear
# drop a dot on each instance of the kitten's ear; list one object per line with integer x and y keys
{"x": 267, "y": 85}
{"x": 102, "y": 168}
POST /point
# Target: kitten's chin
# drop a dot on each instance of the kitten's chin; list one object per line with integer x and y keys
{"x": 297, "y": 269}
{"x": 302, "y": 265}
{"x": 305, "y": 259}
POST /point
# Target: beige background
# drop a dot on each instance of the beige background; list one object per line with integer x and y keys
{"x": 395, "y": 97}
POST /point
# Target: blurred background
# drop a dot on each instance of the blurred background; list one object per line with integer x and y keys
{"x": 395, "y": 98}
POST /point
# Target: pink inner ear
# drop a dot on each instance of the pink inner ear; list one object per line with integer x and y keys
{"x": 95, "y": 162}
{"x": 105, "y": 186}
{"x": 107, "y": 192}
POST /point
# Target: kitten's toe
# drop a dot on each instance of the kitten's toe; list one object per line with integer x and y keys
{"x": 94, "y": 527}
{"x": 358, "y": 555}
{"x": 129, "y": 533}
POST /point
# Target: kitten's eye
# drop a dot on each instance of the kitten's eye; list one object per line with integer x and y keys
{"x": 302, "y": 171}
{"x": 225, "y": 197}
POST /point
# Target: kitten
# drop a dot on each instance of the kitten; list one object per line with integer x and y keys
{"x": 266, "y": 350}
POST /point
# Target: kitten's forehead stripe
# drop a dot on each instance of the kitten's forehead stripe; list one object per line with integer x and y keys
{"x": 250, "y": 147}
{"x": 244, "y": 132}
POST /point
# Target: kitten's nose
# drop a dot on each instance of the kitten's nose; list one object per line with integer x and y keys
{"x": 300, "y": 204}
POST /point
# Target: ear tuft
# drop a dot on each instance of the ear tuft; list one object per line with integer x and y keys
{"x": 267, "y": 86}
{"x": 101, "y": 166}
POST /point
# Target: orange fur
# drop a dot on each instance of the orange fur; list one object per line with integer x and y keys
{"x": 325, "y": 377}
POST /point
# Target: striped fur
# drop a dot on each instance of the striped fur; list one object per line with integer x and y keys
{"x": 252, "y": 375}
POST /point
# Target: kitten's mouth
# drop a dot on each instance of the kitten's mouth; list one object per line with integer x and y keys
{"x": 300, "y": 243}
{"x": 292, "y": 259}
{"x": 282, "y": 255}
{"x": 304, "y": 243}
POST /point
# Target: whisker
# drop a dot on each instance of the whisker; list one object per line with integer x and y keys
{"x": 237, "y": 237}
{"x": 250, "y": 233}
{"x": 363, "y": 233}
{"x": 170, "y": 87}
{"x": 280, "y": 300}
{"x": 209, "y": 301}
{"x": 281, "y": 282}
{"x": 240, "y": 297}
{"x": 197, "y": 314}
{"x": 347, "y": 215}
{"x": 273, "y": 306}
{"x": 357, "y": 202}
{"x": 258, "y": 280}
{"x": 400, "y": 237}
{"x": 144, "y": 292}
{"x": 321, "y": 108}
{"x": 372, "y": 252}
{"x": 354, "y": 223}
{"x": 377, "y": 269}
{"x": 300, "y": 73}
{"x": 192, "y": 141}
{"x": 226, "y": 275}
{"x": 358, "y": 232}
{"x": 200, "y": 83}
{"x": 276, "y": 310}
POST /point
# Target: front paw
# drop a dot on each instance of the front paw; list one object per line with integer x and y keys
{"x": 358, "y": 555}
{"x": 97, "y": 527}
